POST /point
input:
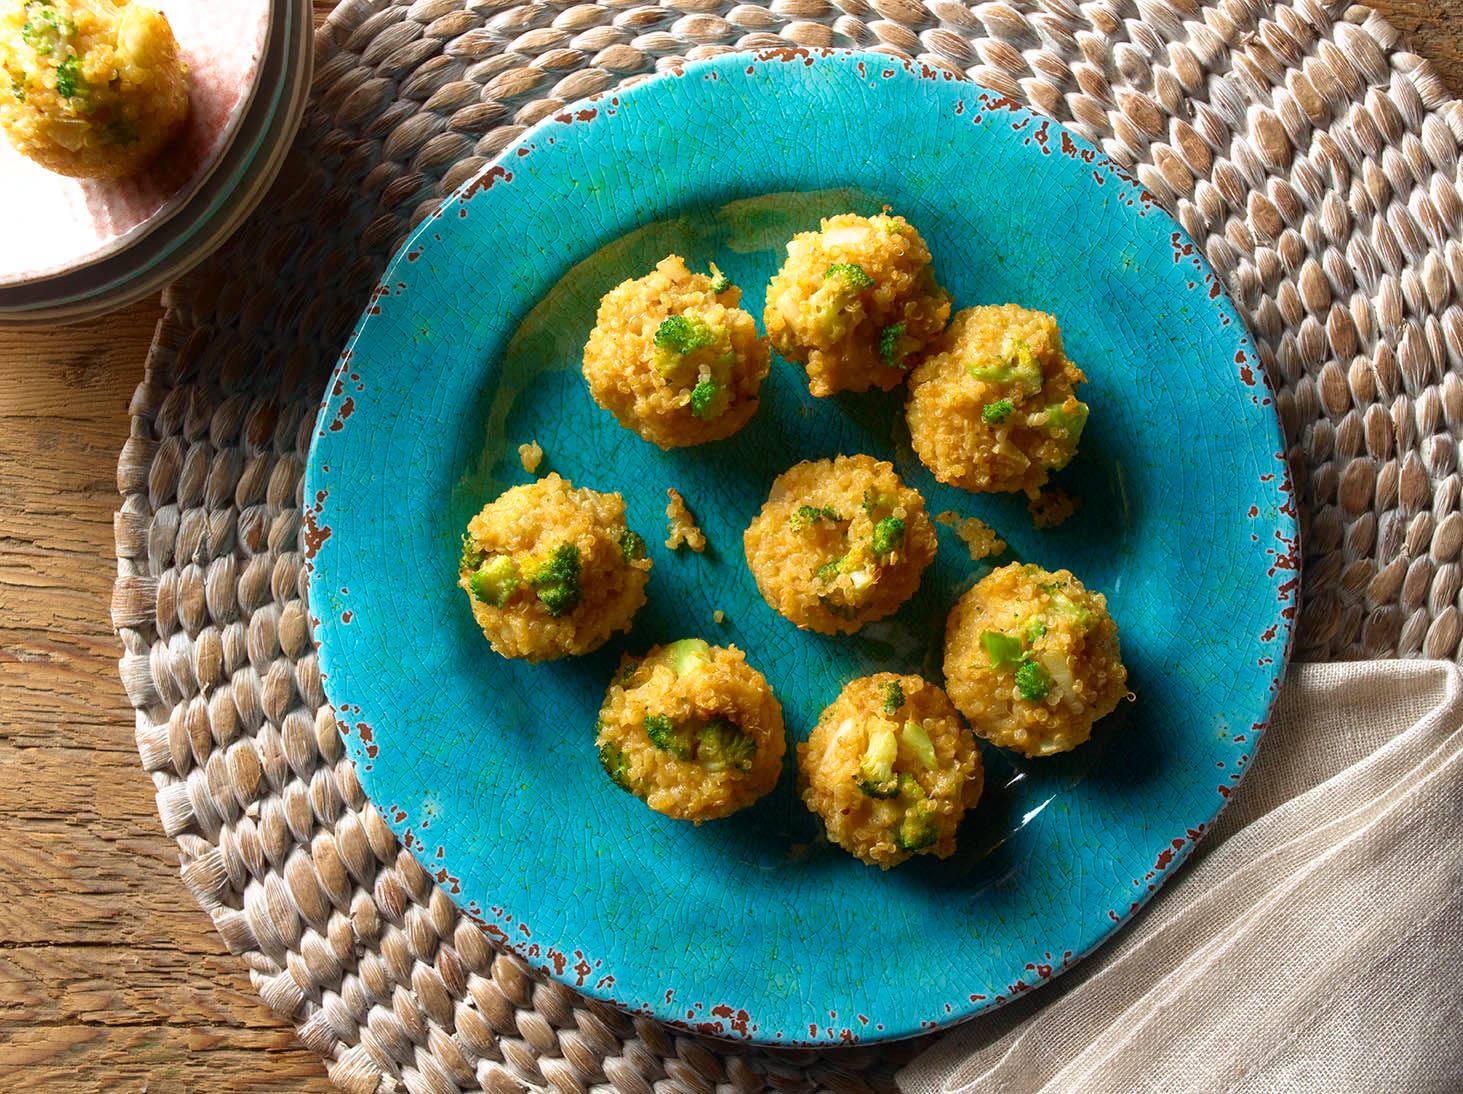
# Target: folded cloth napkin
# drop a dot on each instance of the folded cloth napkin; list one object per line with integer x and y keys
{"x": 1313, "y": 942}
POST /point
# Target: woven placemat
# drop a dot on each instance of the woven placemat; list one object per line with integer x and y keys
{"x": 1317, "y": 165}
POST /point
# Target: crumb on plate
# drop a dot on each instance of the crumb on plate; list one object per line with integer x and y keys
{"x": 1052, "y": 507}
{"x": 683, "y": 528}
{"x": 531, "y": 455}
{"x": 980, "y": 538}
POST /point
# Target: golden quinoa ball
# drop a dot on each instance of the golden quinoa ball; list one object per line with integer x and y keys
{"x": 91, "y": 88}
{"x": 675, "y": 358}
{"x": 890, "y": 768}
{"x": 1032, "y": 659}
{"x": 552, "y": 571}
{"x": 839, "y": 543}
{"x": 855, "y": 302}
{"x": 992, "y": 408}
{"x": 692, "y": 730}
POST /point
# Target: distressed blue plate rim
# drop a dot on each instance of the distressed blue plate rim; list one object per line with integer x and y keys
{"x": 617, "y": 977}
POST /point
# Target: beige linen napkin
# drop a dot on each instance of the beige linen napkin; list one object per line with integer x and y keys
{"x": 1313, "y": 942}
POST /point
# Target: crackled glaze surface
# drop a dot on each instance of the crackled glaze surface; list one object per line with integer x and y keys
{"x": 751, "y": 927}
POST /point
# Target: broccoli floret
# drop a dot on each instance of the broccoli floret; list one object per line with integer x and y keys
{"x": 665, "y": 735}
{"x": 829, "y": 570}
{"x": 1057, "y": 418}
{"x": 875, "y": 502}
{"x": 1033, "y": 681}
{"x": 627, "y": 672}
{"x": 997, "y": 412}
{"x": 632, "y": 546}
{"x": 876, "y": 776}
{"x": 688, "y": 654}
{"x": 853, "y": 275}
{"x": 1017, "y": 365}
{"x": 1034, "y": 630}
{"x": 917, "y": 829}
{"x": 472, "y": 555}
{"x": 17, "y": 89}
{"x": 682, "y": 334}
{"x": 495, "y": 581}
{"x": 888, "y": 534}
{"x": 811, "y": 514}
{"x": 1003, "y": 650}
{"x": 889, "y": 345}
{"x": 894, "y": 227}
{"x": 719, "y": 281}
{"x": 45, "y": 29}
{"x": 720, "y": 745}
{"x": 702, "y": 395}
{"x": 617, "y": 766}
{"x": 893, "y": 697}
{"x": 69, "y": 82}
{"x": 918, "y": 742}
{"x": 1080, "y": 616}
{"x": 556, "y": 580}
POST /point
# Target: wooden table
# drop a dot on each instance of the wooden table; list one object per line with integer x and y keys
{"x": 110, "y": 975}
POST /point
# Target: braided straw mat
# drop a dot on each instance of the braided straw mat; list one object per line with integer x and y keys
{"x": 1317, "y": 166}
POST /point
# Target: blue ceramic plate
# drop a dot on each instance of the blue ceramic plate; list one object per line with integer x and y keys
{"x": 753, "y": 927}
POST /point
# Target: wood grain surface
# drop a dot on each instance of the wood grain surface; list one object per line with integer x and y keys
{"x": 111, "y": 978}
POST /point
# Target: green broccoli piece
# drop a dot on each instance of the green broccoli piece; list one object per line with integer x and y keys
{"x": 665, "y": 735}
{"x": 889, "y": 345}
{"x": 627, "y": 672}
{"x": 556, "y": 580}
{"x": 1034, "y": 630}
{"x": 632, "y": 546}
{"x": 1018, "y": 365}
{"x": 893, "y": 697}
{"x": 997, "y": 412}
{"x": 829, "y": 570}
{"x": 719, "y": 281}
{"x": 894, "y": 227}
{"x": 1003, "y": 650}
{"x": 853, "y": 275}
{"x": 720, "y": 745}
{"x": 876, "y": 776}
{"x": 811, "y": 514}
{"x": 1033, "y": 681}
{"x": 69, "y": 82}
{"x": 702, "y": 395}
{"x": 612, "y": 758}
{"x": 1063, "y": 604}
{"x": 688, "y": 654}
{"x": 1071, "y": 424}
{"x": 472, "y": 555}
{"x": 17, "y": 89}
{"x": 45, "y": 29}
{"x": 918, "y": 742}
{"x": 888, "y": 534}
{"x": 495, "y": 581}
{"x": 875, "y": 502}
{"x": 917, "y": 829}
{"x": 683, "y": 334}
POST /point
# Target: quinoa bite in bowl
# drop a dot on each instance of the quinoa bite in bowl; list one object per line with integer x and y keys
{"x": 674, "y": 357}
{"x": 839, "y": 543}
{"x": 992, "y": 407}
{"x": 890, "y": 769}
{"x": 92, "y": 88}
{"x": 692, "y": 730}
{"x": 855, "y": 302}
{"x": 1032, "y": 659}
{"x": 551, "y": 571}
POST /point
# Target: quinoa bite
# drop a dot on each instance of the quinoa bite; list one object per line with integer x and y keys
{"x": 89, "y": 88}
{"x": 855, "y": 302}
{"x": 692, "y": 730}
{"x": 552, "y": 571}
{"x": 890, "y": 769}
{"x": 992, "y": 407}
{"x": 1032, "y": 659}
{"x": 839, "y": 543}
{"x": 674, "y": 358}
